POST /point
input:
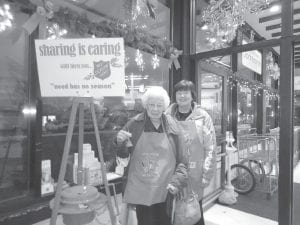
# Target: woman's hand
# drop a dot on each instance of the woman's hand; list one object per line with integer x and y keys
{"x": 175, "y": 191}
{"x": 123, "y": 136}
{"x": 172, "y": 189}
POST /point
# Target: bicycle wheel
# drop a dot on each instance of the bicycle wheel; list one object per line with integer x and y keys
{"x": 256, "y": 167}
{"x": 242, "y": 179}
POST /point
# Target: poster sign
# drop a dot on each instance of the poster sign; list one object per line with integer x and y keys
{"x": 91, "y": 67}
{"x": 252, "y": 60}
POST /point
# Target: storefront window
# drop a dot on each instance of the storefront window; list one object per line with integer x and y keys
{"x": 14, "y": 111}
{"x": 145, "y": 29}
{"x": 212, "y": 98}
{"x": 248, "y": 78}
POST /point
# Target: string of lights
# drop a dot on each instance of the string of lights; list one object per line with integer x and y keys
{"x": 6, "y": 17}
{"x": 235, "y": 80}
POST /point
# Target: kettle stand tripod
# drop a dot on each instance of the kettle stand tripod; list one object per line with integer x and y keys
{"x": 79, "y": 102}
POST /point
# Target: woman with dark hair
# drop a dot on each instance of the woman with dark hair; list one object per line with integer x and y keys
{"x": 200, "y": 137}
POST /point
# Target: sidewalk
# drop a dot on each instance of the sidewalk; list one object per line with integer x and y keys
{"x": 216, "y": 215}
{"x": 220, "y": 214}
{"x": 223, "y": 215}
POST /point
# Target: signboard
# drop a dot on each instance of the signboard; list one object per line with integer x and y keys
{"x": 91, "y": 67}
{"x": 252, "y": 60}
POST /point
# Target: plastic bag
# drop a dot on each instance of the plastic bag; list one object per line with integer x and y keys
{"x": 186, "y": 211}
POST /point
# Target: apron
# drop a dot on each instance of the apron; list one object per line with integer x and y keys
{"x": 151, "y": 167}
{"x": 196, "y": 157}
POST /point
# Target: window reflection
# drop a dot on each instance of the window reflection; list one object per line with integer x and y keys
{"x": 211, "y": 98}
{"x": 245, "y": 110}
{"x": 14, "y": 113}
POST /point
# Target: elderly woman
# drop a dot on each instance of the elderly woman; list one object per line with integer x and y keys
{"x": 199, "y": 132}
{"x": 157, "y": 164}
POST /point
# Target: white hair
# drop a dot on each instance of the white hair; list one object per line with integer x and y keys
{"x": 156, "y": 91}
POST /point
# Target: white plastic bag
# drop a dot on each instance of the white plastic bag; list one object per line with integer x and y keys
{"x": 121, "y": 164}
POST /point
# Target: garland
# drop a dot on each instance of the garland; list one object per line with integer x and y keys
{"x": 235, "y": 79}
{"x": 256, "y": 86}
{"x": 78, "y": 23}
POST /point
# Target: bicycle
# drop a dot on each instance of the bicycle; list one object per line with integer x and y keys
{"x": 257, "y": 168}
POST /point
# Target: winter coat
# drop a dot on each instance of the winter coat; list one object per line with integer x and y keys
{"x": 206, "y": 133}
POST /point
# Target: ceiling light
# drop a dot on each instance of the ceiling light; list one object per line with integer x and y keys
{"x": 275, "y": 8}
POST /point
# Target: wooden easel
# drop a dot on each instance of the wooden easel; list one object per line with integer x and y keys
{"x": 80, "y": 102}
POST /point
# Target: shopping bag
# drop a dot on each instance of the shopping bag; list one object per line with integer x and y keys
{"x": 186, "y": 210}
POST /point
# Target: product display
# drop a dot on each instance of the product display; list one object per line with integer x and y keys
{"x": 91, "y": 168}
{"x": 47, "y": 186}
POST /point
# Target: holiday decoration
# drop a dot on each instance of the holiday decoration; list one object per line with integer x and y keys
{"x": 236, "y": 80}
{"x": 139, "y": 60}
{"x": 222, "y": 18}
{"x": 174, "y": 58}
{"x": 77, "y": 23}
{"x": 155, "y": 61}
{"x": 66, "y": 22}
{"x": 134, "y": 37}
{"x": 54, "y": 32}
{"x": 5, "y": 17}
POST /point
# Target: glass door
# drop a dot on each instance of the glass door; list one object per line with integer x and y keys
{"x": 247, "y": 104}
{"x": 212, "y": 96}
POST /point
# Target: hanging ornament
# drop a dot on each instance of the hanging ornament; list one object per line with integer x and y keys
{"x": 155, "y": 61}
{"x": 139, "y": 60}
{"x": 222, "y": 18}
{"x": 54, "y": 32}
{"x": 5, "y": 17}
